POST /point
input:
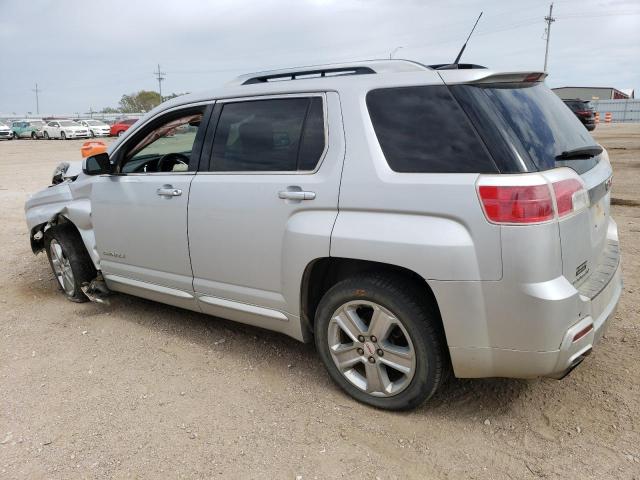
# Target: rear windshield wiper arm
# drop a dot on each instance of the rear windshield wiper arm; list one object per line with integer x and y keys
{"x": 580, "y": 153}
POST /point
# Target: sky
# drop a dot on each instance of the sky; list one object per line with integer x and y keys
{"x": 86, "y": 54}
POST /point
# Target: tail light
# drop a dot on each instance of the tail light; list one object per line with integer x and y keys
{"x": 539, "y": 201}
{"x": 516, "y": 204}
{"x": 567, "y": 196}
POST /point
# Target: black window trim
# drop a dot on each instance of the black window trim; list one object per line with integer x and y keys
{"x": 117, "y": 156}
{"x": 206, "y": 165}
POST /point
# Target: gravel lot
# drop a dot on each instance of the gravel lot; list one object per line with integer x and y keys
{"x": 142, "y": 390}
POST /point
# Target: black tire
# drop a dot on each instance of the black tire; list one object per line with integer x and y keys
{"x": 420, "y": 318}
{"x": 46, "y": 135}
{"x": 74, "y": 250}
{"x": 63, "y": 136}
{"x": 120, "y": 133}
{"x": 34, "y": 136}
{"x": 15, "y": 136}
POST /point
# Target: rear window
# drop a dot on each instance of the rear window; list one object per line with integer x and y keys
{"x": 531, "y": 119}
{"x": 423, "y": 130}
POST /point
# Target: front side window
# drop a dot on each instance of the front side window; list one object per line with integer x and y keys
{"x": 166, "y": 147}
{"x": 277, "y": 135}
{"x": 423, "y": 130}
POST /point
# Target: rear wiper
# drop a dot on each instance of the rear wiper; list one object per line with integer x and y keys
{"x": 580, "y": 153}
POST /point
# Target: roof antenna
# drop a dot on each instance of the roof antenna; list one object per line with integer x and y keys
{"x": 457, "y": 60}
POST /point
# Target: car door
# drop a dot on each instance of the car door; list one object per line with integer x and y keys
{"x": 54, "y": 129}
{"x": 140, "y": 212}
{"x": 265, "y": 206}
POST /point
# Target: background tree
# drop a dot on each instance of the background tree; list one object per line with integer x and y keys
{"x": 142, "y": 101}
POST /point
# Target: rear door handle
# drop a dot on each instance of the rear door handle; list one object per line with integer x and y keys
{"x": 168, "y": 191}
{"x": 296, "y": 195}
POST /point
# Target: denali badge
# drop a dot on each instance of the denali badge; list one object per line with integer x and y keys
{"x": 114, "y": 254}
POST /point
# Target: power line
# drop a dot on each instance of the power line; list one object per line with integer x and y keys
{"x": 160, "y": 75}
{"x": 37, "y": 90}
{"x": 549, "y": 19}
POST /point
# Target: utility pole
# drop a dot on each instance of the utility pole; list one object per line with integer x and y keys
{"x": 37, "y": 90}
{"x": 160, "y": 76}
{"x": 549, "y": 19}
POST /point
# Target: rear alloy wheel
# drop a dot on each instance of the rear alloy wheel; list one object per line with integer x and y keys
{"x": 120, "y": 133}
{"x": 34, "y": 136}
{"x": 63, "y": 136}
{"x": 92, "y": 134}
{"x": 46, "y": 135}
{"x": 381, "y": 340}
{"x": 15, "y": 136}
{"x": 69, "y": 260}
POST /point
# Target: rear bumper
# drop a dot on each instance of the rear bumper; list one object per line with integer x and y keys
{"x": 472, "y": 362}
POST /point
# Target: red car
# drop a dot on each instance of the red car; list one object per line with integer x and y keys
{"x": 121, "y": 126}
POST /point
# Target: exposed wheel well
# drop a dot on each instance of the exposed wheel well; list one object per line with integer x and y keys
{"x": 321, "y": 274}
{"x": 37, "y": 232}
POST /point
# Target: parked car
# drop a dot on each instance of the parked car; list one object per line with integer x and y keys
{"x": 97, "y": 128}
{"x": 121, "y": 126}
{"x": 409, "y": 220}
{"x": 5, "y": 132}
{"x": 584, "y": 111}
{"x": 27, "y": 129}
{"x": 64, "y": 129}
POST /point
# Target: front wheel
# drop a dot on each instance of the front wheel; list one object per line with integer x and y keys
{"x": 34, "y": 136}
{"x": 46, "y": 135}
{"x": 120, "y": 133}
{"x": 63, "y": 136}
{"x": 69, "y": 261}
{"x": 380, "y": 339}
{"x": 15, "y": 136}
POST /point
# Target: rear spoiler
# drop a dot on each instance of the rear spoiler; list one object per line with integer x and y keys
{"x": 479, "y": 76}
{"x": 515, "y": 77}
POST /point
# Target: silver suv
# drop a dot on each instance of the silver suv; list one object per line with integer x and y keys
{"x": 411, "y": 220}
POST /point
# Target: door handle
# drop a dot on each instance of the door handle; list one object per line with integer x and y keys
{"x": 296, "y": 195}
{"x": 168, "y": 191}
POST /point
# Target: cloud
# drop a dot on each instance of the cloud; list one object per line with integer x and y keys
{"x": 88, "y": 54}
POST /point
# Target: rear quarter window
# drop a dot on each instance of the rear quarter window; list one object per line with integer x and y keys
{"x": 422, "y": 129}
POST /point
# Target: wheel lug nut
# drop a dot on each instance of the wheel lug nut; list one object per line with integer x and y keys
{"x": 360, "y": 338}
{"x": 360, "y": 351}
{"x": 374, "y": 339}
{"x": 380, "y": 352}
{"x": 372, "y": 360}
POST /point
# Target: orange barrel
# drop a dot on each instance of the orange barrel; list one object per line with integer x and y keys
{"x": 92, "y": 147}
{"x": 607, "y": 117}
{"x": 597, "y": 117}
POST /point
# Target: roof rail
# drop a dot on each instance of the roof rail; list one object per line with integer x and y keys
{"x": 367, "y": 67}
{"x": 321, "y": 72}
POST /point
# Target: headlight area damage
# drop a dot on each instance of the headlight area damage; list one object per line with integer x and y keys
{"x": 66, "y": 172}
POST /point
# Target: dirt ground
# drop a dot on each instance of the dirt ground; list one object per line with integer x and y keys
{"x": 142, "y": 390}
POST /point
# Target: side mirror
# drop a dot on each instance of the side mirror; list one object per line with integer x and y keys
{"x": 97, "y": 164}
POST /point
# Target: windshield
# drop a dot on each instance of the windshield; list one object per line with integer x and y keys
{"x": 68, "y": 123}
{"x": 95, "y": 123}
{"x": 37, "y": 124}
{"x": 533, "y": 120}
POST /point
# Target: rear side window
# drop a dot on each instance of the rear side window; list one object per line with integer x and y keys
{"x": 423, "y": 130}
{"x": 278, "y": 135}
